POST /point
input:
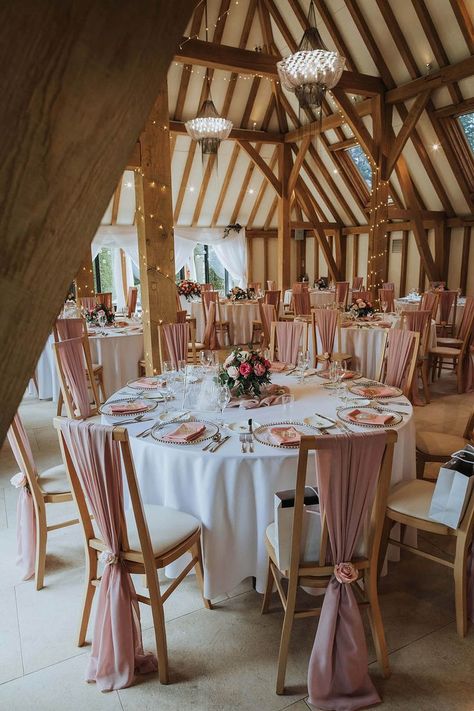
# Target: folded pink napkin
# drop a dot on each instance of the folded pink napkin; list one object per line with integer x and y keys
{"x": 348, "y": 375}
{"x": 149, "y": 383}
{"x": 272, "y": 395}
{"x": 374, "y": 390}
{"x": 369, "y": 418}
{"x": 384, "y": 324}
{"x": 285, "y": 435}
{"x": 186, "y": 432}
{"x": 277, "y": 367}
{"x": 127, "y": 407}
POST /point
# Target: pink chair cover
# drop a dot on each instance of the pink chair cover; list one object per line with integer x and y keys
{"x": 446, "y": 303}
{"x": 206, "y": 287}
{"x": 428, "y": 302}
{"x": 69, "y": 328}
{"x": 89, "y": 302}
{"x": 342, "y": 288}
{"x": 177, "y": 339}
{"x": 388, "y": 285}
{"x": 347, "y": 476}
{"x": 299, "y": 286}
{"x": 399, "y": 351}
{"x": 71, "y": 357}
{"x": 364, "y": 295}
{"x": 267, "y": 315}
{"x": 417, "y": 321}
{"x": 271, "y": 285}
{"x": 104, "y": 298}
{"x": 117, "y": 647}
{"x": 273, "y": 298}
{"x": 466, "y": 327}
{"x": 326, "y": 323}
{"x": 387, "y": 295}
{"x": 25, "y": 510}
{"x": 210, "y": 334}
{"x": 357, "y": 283}
{"x": 288, "y": 337}
{"x": 181, "y": 316}
{"x": 132, "y": 300}
{"x": 467, "y": 315}
{"x": 302, "y": 304}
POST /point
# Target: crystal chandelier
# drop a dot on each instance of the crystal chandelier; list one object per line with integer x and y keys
{"x": 312, "y": 69}
{"x": 208, "y": 128}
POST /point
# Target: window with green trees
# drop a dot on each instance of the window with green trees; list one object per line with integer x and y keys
{"x": 362, "y": 164}
{"x": 467, "y": 125}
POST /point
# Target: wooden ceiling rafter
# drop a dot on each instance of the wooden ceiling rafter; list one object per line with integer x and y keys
{"x": 267, "y": 34}
{"x": 225, "y": 184}
{"x": 464, "y": 21}
{"x": 297, "y": 163}
{"x": 406, "y": 130}
{"x": 262, "y": 190}
{"x": 116, "y": 202}
{"x": 186, "y": 71}
{"x": 262, "y": 165}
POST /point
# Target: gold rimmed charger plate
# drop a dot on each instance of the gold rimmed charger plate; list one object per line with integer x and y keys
{"x": 261, "y": 432}
{"x": 396, "y": 392}
{"x": 104, "y": 409}
{"x": 160, "y": 430}
{"x": 343, "y": 413}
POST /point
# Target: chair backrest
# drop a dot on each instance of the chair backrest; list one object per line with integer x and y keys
{"x": 66, "y": 328}
{"x": 271, "y": 285}
{"x": 353, "y": 478}
{"x": 466, "y": 319}
{"x": 93, "y": 455}
{"x": 208, "y": 297}
{"x": 206, "y": 287}
{"x": 364, "y": 295}
{"x": 132, "y": 296}
{"x": 21, "y": 448}
{"x": 254, "y": 286}
{"x": 357, "y": 283}
{"x": 430, "y": 302}
{"x": 88, "y": 302}
{"x": 342, "y": 292}
{"x": 387, "y": 296}
{"x": 398, "y": 359}
{"x": 181, "y": 316}
{"x": 273, "y": 297}
{"x": 286, "y": 339}
{"x": 210, "y": 338}
{"x": 267, "y": 316}
{"x": 74, "y": 367}
{"x": 105, "y": 298}
{"x": 173, "y": 339}
{"x": 419, "y": 321}
{"x": 302, "y": 304}
{"x": 388, "y": 285}
{"x": 447, "y": 307}
{"x": 299, "y": 286}
{"x": 325, "y": 323}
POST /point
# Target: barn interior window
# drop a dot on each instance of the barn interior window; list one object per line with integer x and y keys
{"x": 362, "y": 164}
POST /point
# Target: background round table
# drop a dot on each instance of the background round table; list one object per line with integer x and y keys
{"x": 239, "y": 314}
{"x": 231, "y": 493}
{"x": 319, "y": 298}
{"x": 410, "y": 304}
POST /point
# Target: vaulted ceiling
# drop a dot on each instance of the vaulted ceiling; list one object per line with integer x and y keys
{"x": 396, "y": 40}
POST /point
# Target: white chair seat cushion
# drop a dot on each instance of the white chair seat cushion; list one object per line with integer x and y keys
{"x": 439, "y": 443}
{"x": 167, "y": 527}
{"x": 54, "y": 480}
{"x": 412, "y": 498}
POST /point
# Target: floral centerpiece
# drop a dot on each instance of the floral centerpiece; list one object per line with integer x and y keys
{"x": 237, "y": 294}
{"x": 322, "y": 283}
{"x": 361, "y": 308}
{"x": 189, "y": 289}
{"x": 244, "y": 372}
{"x": 98, "y": 313}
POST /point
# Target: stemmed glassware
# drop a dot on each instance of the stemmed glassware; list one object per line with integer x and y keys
{"x": 223, "y": 399}
{"x": 303, "y": 363}
{"x": 384, "y": 305}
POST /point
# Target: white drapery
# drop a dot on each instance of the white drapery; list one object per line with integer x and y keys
{"x": 231, "y": 251}
{"x": 119, "y": 236}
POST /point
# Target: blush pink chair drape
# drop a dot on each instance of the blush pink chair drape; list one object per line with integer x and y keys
{"x": 177, "y": 339}
{"x": 181, "y": 316}
{"x": 117, "y": 648}
{"x": 25, "y": 510}
{"x": 71, "y": 357}
{"x": 429, "y": 302}
{"x": 387, "y": 295}
{"x": 271, "y": 285}
{"x": 88, "y": 302}
{"x": 417, "y": 321}
{"x": 302, "y": 304}
{"x": 210, "y": 334}
{"x": 273, "y": 298}
{"x": 347, "y": 475}
{"x": 326, "y": 324}
{"x": 69, "y": 328}
{"x": 132, "y": 297}
{"x": 288, "y": 337}
{"x": 342, "y": 289}
{"x": 267, "y": 315}
{"x": 446, "y": 303}
{"x": 399, "y": 351}
{"x": 388, "y": 285}
{"x": 357, "y": 283}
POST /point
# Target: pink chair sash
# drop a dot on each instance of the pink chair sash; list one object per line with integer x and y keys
{"x": 208, "y": 298}
{"x": 132, "y": 300}
{"x": 104, "y": 298}
{"x": 210, "y": 334}
{"x": 467, "y": 327}
{"x": 71, "y": 357}
{"x": 69, "y": 328}
{"x": 357, "y": 283}
{"x": 271, "y": 285}
{"x": 446, "y": 303}
{"x": 288, "y": 337}
{"x": 326, "y": 323}
{"x": 387, "y": 295}
{"x": 177, "y": 339}
{"x": 347, "y": 478}
{"x": 117, "y": 647}
{"x": 466, "y": 318}
{"x": 273, "y": 298}
{"x": 388, "y": 285}
{"x": 417, "y": 321}
{"x": 25, "y": 510}
{"x": 299, "y": 286}
{"x": 89, "y": 302}
{"x": 342, "y": 288}
{"x": 428, "y": 302}
{"x": 267, "y": 315}
{"x": 302, "y": 304}
{"x": 206, "y": 287}
{"x": 399, "y": 351}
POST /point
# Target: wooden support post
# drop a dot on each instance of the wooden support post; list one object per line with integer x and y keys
{"x": 284, "y": 217}
{"x": 355, "y": 256}
{"x": 155, "y": 229}
{"x": 404, "y": 263}
{"x": 340, "y": 251}
{"x": 376, "y": 263}
{"x": 85, "y": 278}
{"x": 316, "y": 258}
{"x": 466, "y": 247}
{"x": 300, "y": 258}
{"x": 265, "y": 262}
{"x": 249, "y": 258}
{"x": 123, "y": 269}
{"x": 441, "y": 237}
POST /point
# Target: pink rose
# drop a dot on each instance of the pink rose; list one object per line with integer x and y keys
{"x": 345, "y": 573}
{"x": 267, "y": 364}
{"x": 259, "y": 369}
{"x": 245, "y": 369}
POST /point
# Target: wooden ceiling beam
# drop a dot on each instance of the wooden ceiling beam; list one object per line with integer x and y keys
{"x": 371, "y": 46}
{"x": 116, "y": 202}
{"x": 453, "y": 110}
{"x": 297, "y": 163}
{"x": 464, "y": 21}
{"x": 237, "y": 134}
{"x": 406, "y": 130}
{"x": 223, "y": 191}
{"x": 186, "y": 72}
{"x": 261, "y": 165}
{"x": 442, "y": 77}
{"x": 357, "y": 125}
{"x": 262, "y": 190}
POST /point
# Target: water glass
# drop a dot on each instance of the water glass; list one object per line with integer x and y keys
{"x": 223, "y": 399}
{"x": 288, "y": 402}
{"x": 303, "y": 363}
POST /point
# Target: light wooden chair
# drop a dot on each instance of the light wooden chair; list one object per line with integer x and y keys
{"x": 206, "y": 287}
{"x": 132, "y": 297}
{"x": 290, "y": 327}
{"x": 302, "y": 305}
{"x": 153, "y": 537}
{"x": 51, "y": 486}
{"x": 457, "y": 354}
{"x": 448, "y": 301}
{"x": 319, "y": 316}
{"x": 430, "y": 302}
{"x": 408, "y": 504}
{"x": 364, "y": 295}
{"x": 387, "y": 296}
{"x": 222, "y": 327}
{"x": 438, "y": 446}
{"x": 456, "y": 341}
{"x": 342, "y": 293}
{"x": 255, "y": 286}
{"x": 83, "y": 378}
{"x": 405, "y": 369}
{"x": 105, "y": 298}
{"x": 87, "y": 302}
{"x": 317, "y": 573}
{"x": 419, "y": 321}
{"x": 388, "y": 285}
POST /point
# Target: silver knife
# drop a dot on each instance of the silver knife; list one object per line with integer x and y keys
{"x": 325, "y": 417}
{"x": 220, "y": 443}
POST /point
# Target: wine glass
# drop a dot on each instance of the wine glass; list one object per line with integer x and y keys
{"x": 303, "y": 363}
{"x": 101, "y": 320}
{"x": 341, "y": 375}
{"x": 384, "y": 305}
{"x": 223, "y": 399}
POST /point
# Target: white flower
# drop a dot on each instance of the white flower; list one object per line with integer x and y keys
{"x": 232, "y": 372}
{"x": 18, "y": 480}
{"x": 108, "y": 558}
{"x": 101, "y": 312}
{"x": 228, "y": 360}
{"x": 243, "y": 356}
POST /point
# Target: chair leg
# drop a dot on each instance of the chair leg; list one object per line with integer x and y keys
{"x": 285, "y": 637}
{"x": 426, "y": 387}
{"x": 89, "y": 592}
{"x": 197, "y": 553}
{"x": 420, "y": 465}
{"x": 376, "y": 623}
{"x": 460, "y": 585}
{"x": 267, "y": 595}
{"x": 60, "y": 404}
{"x": 100, "y": 383}
{"x": 387, "y": 527}
{"x": 41, "y": 538}
{"x": 159, "y": 626}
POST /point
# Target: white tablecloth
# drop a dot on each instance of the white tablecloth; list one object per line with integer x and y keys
{"x": 318, "y": 298}
{"x": 239, "y": 314}
{"x": 410, "y": 304}
{"x": 232, "y": 494}
{"x": 118, "y": 353}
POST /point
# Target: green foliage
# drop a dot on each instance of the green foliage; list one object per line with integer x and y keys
{"x": 467, "y": 125}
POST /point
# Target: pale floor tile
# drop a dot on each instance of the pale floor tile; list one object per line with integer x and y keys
{"x": 3, "y": 510}
{"x": 10, "y": 648}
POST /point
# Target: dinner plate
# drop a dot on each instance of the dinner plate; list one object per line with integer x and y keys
{"x": 149, "y": 406}
{"x": 168, "y": 416}
{"x": 369, "y": 412}
{"x": 355, "y": 375}
{"x": 160, "y": 431}
{"x": 318, "y": 422}
{"x": 262, "y": 434}
{"x": 136, "y": 385}
{"x": 375, "y": 389}
{"x": 242, "y": 427}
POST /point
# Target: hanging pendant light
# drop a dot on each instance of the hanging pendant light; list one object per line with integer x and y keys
{"x": 208, "y": 128}
{"x": 312, "y": 69}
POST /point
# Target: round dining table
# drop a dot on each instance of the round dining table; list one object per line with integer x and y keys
{"x": 232, "y": 493}
{"x": 239, "y": 314}
{"x": 319, "y": 298}
{"x": 412, "y": 303}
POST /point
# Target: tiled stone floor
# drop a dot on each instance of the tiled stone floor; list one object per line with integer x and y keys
{"x": 225, "y": 658}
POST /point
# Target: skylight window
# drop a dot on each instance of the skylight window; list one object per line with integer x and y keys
{"x": 362, "y": 164}
{"x": 467, "y": 125}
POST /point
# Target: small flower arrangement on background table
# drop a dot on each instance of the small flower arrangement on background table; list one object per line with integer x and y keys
{"x": 238, "y": 294}
{"x": 244, "y": 372}
{"x": 100, "y": 315}
{"x": 361, "y": 308}
{"x": 322, "y": 283}
{"x": 189, "y": 289}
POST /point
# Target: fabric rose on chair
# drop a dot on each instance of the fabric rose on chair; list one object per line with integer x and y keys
{"x": 18, "y": 480}
{"x": 345, "y": 573}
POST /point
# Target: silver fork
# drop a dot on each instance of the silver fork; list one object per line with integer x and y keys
{"x": 249, "y": 442}
{"x": 243, "y": 443}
